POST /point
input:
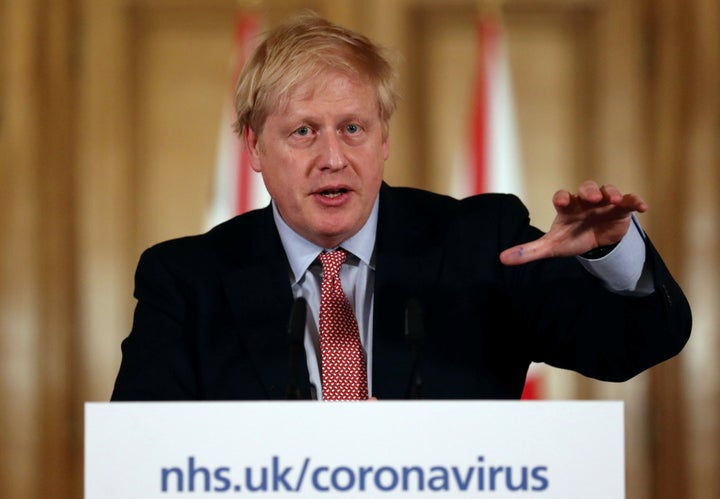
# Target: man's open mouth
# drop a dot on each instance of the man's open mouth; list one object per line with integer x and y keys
{"x": 333, "y": 193}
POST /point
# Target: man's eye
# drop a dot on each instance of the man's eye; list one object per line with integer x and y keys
{"x": 303, "y": 131}
{"x": 352, "y": 128}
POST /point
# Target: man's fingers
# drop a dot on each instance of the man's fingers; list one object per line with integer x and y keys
{"x": 524, "y": 253}
{"x": 611, "y": 193}
{"x": 633, "y": 202}
{"x": 590, "y": 191}
{"x": 591, "y": 194}
{"x": 561, "y": 199}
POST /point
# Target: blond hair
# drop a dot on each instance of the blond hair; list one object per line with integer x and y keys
{"x": 301, "y": 49}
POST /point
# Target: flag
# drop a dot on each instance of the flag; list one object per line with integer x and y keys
{"x": 493, "y": 163}
{"x": 236, "y": 187}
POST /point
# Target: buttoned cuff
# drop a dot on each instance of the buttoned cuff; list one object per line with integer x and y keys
{"x": 623, "y": 270}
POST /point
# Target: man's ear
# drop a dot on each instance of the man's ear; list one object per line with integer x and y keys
{"x": 252, "y": 143}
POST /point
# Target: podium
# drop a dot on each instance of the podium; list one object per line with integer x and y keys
{"x": 355, "y": 449}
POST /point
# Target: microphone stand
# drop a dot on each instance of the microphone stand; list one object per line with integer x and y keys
{"x": 415, "y": 334}
{"x": 296, "y": 333}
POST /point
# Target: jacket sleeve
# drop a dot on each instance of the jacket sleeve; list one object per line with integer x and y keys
{"x": 573, "y": 321}
{"x": 157, "y": 363}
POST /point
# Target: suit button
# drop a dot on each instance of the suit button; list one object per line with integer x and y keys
{"x": 667, "y": 294}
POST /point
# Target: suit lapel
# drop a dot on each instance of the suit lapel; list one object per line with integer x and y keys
{"x": 409, "y": 251}
{"x": 260, "y": 297}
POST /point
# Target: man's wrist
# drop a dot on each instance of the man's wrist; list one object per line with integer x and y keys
{"x": 599, "y": 252}
{"x": 620, "y": 268}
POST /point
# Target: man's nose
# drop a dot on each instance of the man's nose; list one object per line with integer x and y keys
{"x": 333, "y": 153}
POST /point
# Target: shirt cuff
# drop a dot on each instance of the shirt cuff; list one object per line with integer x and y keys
{"x": 623, "y": 270}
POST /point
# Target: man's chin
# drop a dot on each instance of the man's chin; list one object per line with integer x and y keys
{"x": 330, "y": 237}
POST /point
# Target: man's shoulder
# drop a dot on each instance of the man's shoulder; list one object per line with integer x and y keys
{"x": 229, "y": 239}
{"x": 420, "y": 201}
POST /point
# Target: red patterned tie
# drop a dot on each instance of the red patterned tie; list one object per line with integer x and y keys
{"x": 344, "y": 372}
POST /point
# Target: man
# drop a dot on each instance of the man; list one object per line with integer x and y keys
{"x": 492, "y": 293}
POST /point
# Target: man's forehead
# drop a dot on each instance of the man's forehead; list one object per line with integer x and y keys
{"x": 331, "y": 86}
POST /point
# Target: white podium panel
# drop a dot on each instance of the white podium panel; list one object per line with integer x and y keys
{"x": 354, "y": 449}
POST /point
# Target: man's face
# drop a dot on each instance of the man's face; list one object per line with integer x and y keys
{"x": 322, "y": 157}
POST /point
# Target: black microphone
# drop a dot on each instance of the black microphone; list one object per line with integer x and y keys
{"x": 415, "y": 334}
{"x": 296, "y": 333}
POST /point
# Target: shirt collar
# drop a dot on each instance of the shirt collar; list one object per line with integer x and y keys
{"x": 301, "y": 252}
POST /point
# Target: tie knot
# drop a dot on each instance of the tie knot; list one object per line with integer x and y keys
{"x": 332, "y": 261}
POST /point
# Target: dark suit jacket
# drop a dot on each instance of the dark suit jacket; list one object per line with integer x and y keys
{"x": 212, "y": 312}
